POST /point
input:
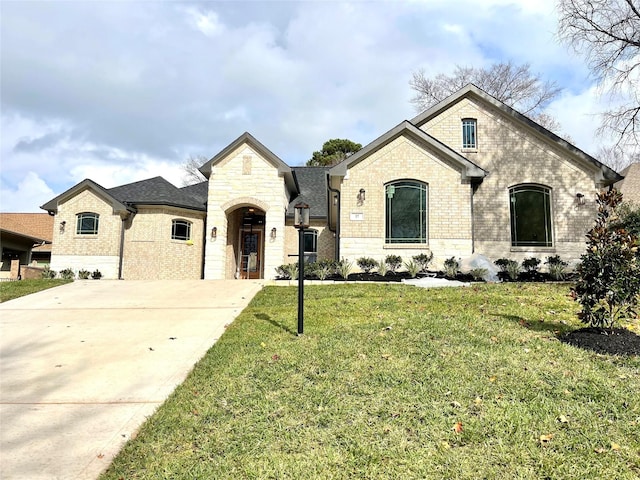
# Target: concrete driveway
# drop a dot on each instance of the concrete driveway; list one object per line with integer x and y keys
{"x": 83, "y": 365}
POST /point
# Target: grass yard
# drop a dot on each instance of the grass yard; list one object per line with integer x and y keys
{"x": 394, "y": 381}
{"x": 20, "y": 288}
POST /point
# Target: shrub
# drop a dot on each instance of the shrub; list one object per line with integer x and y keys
{"x": 83, "y": 274}
{"x": 48, "y": 273}
{"x": 628, "y": 217}
{"x": 423, "y": 260}
{"x": 451, "y": 267}
{"x": 96, "y": 275}
{"x": 502, "y": 264}
{"x": 343, "y": 268}
{"x": 382, "y": 268}
{"x": 393, "y": 262}
{"x": 531, "y": 265}
{"x": 367, "y": 264}
{"x": 322, "y": 271}
{"x": 513, "y": 270}
{"x": 478, "y": 274}
{"x": 557, "y": 267}
{"x": 413, "y": 268}
{"x": 67, "y": 274}
{"x": 609, "y": 272}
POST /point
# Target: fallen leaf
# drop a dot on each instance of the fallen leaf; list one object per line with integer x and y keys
{"x": 478, "y": 401}
{"x": 546, "y": 438}
{"x": 262, "y": 344}
{"x": 445, "y": 445}
{"x": 615, "y": 446}
{"x": 494, "y": 339}
{"x": 563, "y": 419}
{"x": 457, "y": 427}
{"x": 386, "y": 356}
{"x": 275, "y": 357}
{"x": 455, "y": 404}
{"x": 492, "y": 379}
{"x": 599, "y": 450}
{"x": 101, "y": 455}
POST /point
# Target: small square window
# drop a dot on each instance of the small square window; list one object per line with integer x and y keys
{"x": 469, "y": 133}
{"x": 87, "y": 223}
{"x": 180, "y": 230}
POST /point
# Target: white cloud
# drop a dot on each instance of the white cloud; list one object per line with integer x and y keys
{"x": 27, "y": 196}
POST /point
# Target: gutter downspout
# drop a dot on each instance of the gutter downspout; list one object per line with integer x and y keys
{"x": 337, "y": 229}
{"x": 124, "y": 218}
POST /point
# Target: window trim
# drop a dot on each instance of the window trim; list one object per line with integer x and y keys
{"x": 466, "y": 124}
{"x": 549, "y": 241}
{"x": 184, "y": 222}
{"x": 312, "y": 232}
{"x": 423, "y": 240}
{"x": 86, "y": 215}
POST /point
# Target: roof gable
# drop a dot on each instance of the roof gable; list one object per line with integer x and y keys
{"x": 250, "y": 140}
{"x": 608, "y": 175}
{"x": 52, "y": 205}
{"x": 407, "y": 129}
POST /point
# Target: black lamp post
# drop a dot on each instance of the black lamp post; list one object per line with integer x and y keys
{"x": 301, "y": 221}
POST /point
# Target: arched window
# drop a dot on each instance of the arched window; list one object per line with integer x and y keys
{"x": 406, "y": 212}
{"x": 310, "y": 245}
{"x": 87, "y": 223}
{"x": 180, "y": 230}
{"x": 530, "y": 216}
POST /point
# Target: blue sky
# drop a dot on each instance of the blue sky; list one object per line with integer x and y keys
{"x": 119, "y": 91}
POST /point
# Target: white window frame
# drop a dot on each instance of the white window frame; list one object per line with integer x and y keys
{"x": 182, "y": 222}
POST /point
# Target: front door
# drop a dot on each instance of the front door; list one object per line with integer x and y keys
{"x": 250, "y": 256}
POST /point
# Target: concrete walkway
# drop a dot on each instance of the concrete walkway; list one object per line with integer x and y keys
{"x": 83, "y": 365}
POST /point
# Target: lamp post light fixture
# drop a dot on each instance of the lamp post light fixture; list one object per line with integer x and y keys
{"x": 301, "y": 221}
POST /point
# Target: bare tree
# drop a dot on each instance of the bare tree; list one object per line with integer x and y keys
{"x": 617, "y": 158}
{"x": 608, "y": 33}
{"x": 191, "y": 173}
{"x": 514, "y": 85}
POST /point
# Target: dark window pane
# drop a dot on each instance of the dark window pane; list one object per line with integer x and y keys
{"x": 87, "y": 224}
{"x": 406, "y": 213}
{"x": 530, "y": 216}
{"x": 180, "y": 230}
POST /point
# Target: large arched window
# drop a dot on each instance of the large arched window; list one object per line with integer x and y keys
{"x": 180, "y": 230}
{"x": 87, "y": 223}
{"x": 530, "y": 216}
{"x": 406, "y": 212}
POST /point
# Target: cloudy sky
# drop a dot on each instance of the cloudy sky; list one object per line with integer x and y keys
{"x": 119, "y": 91}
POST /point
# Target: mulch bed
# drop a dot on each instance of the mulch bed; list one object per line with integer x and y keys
{"x": 610, "y": 341}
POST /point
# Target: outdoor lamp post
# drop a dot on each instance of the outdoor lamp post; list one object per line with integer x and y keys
{"x": 301, "y": 221}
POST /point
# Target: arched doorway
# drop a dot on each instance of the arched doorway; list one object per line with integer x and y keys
{"x": 245, "y": 242}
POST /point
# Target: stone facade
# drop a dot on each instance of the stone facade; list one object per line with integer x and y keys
{"x": 244, "y": 178}
{"x": 514, "y": 154}
{"x": 362, "y": 223}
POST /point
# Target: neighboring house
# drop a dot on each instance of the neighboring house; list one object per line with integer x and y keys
{"x": 630, "y": 186}
{"x": 25, "y": 237}
{"x": 470, "y": 175}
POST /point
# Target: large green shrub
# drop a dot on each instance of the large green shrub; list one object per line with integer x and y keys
{"x": 423, "y": 260}
{"x": 609, "y": 272}
{"x": 367, "y": 264}
{"x": 393, "y": 262}
{"x": 451, "y": 267}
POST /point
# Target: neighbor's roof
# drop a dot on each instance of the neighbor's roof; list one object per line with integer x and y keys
{"x": 37, "y": 226}
{"x": 313, "y": 190}
{"x": 630, "y": 186}
{"x": 609, "y": 176}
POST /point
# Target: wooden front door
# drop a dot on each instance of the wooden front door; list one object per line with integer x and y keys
{"x": 250, "y": 254}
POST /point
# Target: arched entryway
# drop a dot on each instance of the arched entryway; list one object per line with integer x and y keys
{"x": 245, "y": 242}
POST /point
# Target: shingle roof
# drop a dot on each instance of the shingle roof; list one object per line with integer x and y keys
{"x": 199, "y": 191}
{"x": 313, "y": 190}
{"x": 156, "y": 191}
{"x": 630, "y": 186}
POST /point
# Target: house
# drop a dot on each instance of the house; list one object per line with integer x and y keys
{"x": 468, "y": 176}
{"x": 25, "y": 239}
{"x": 630, "y": 186}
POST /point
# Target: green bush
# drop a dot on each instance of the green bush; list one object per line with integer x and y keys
{"x": 557, "y": 267}
{"x": 48, "y": 273}
{"x": 531, "y": 265}
{"x": 96, "y": 275}
{"x": 609, "y": 272}
{"x": 413, "y": 268}
{"x": 502, "y": 264}
{"x": 67, "y": 274}
{"x": 478, "y": 274}
{"x": 83, "y": 274}
{"x": 423, "y": 260}
{"x": 344, "y": 267}
{"x": 366, "y": 264}
{"x": 393, "y": 262}
{"x": 628, "y": 217}
{"x": 513, "y": 270}
{"x": 451, "y": 267}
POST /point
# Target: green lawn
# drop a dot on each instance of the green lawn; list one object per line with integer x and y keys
{"x": 381, "y": 381}
{"x": 20, "y": 288}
